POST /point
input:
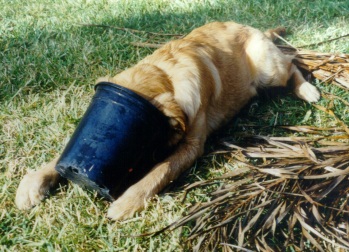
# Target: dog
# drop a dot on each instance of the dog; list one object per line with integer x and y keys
{"x": 199, "y": 82}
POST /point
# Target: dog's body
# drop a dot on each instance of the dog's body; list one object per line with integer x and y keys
{"x": 199, "y": 82}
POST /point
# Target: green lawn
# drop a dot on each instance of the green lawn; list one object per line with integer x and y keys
{"x": 50, "y": 57}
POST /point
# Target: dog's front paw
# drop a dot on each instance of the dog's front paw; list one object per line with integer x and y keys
{"x": 127, "y": 205}
{"x": 32, "y": 190}
{"x": 308, "y": 92}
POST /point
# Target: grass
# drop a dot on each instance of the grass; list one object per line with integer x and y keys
{"x": 49, "y": 62}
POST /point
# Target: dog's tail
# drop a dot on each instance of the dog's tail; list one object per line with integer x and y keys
{"x": 281, "y": 31}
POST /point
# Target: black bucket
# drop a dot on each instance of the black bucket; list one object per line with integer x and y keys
{"x": 119, "y": 139}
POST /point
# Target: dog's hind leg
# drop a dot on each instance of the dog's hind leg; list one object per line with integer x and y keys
{"x": 134, "y": 198}
{"x": 273, "y": 68}
{"x": 36, "y": 185}
{"x": 302, "y": 88}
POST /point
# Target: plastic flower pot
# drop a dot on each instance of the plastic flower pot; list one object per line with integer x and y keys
{"x": 118, "y": 140}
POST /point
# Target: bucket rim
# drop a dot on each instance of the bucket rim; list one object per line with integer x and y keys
{"x": 131, "y": 95}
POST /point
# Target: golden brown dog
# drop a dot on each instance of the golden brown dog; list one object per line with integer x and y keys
{"x": 199, "y": 82}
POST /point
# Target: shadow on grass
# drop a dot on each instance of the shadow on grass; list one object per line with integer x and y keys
{"x": 41, "y": 59}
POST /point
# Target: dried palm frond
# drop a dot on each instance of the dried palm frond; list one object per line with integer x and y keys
{"x": 302, "y": 195}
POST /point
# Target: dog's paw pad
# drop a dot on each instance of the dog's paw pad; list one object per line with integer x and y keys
{"x": 308, "y": 92}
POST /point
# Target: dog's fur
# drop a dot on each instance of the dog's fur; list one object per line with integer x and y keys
{"x": 199, "y": 82}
